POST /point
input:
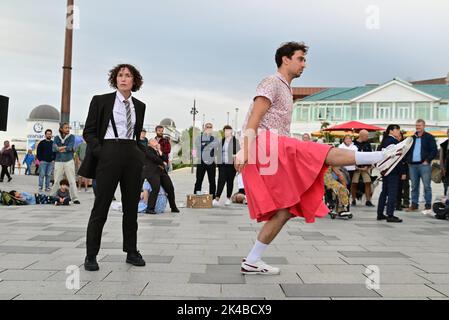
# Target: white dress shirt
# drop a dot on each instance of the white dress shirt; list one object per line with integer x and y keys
{"x": 119, "y": 112}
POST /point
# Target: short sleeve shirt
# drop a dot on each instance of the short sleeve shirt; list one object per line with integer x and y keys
{"x": 278, "y": 117}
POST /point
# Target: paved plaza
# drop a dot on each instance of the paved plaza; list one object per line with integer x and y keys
{"x": 196, "y": 254}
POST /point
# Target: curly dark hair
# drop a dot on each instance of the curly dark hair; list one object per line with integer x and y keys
{"x": 288, "y": 50}
{"x": 113, "y": 73}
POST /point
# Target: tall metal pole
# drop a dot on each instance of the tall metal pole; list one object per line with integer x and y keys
{"x": 194, "y": 112}
{"x": 67, "y": 67}
{"x": 228, "y": 119}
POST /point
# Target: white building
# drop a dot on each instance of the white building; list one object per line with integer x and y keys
{"x": 396, "y": 101}
{"x": 41, "y": 118}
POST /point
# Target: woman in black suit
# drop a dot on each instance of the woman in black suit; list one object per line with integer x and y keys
{"x": 112, "y": 130}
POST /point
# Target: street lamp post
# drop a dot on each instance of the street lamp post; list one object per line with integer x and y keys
{"x": 67, "y": 67}
{"x": 236, "y": 117}
{"x": 193, "y": 112}
{"x": 228, "y": 119}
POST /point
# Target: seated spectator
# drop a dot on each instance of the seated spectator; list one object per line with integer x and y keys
{"x": 335, "y": 180}
{"x": 161, "y": 202}
{"x": 62, "y": 197}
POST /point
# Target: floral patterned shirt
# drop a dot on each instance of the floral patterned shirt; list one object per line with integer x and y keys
{"x": 278, "y": 117}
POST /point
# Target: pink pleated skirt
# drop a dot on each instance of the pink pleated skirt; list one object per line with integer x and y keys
{"x": 285, "y": 173}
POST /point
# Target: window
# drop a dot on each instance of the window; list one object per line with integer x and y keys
{"x": 353, "y": 112}
{"x": 338, "y": 112}
{"x": 366, "y": 110}
{"x": 403, "y": 110}
{"x": 301, "y": 112}
{"x": 320, "y": 112}
{"x": 384, "y": 110}
{"x": 422, "y": 110}
{"x": 305, "y": 113}
{"x": 443, "y": 112}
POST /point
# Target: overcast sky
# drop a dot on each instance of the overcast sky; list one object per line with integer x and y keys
{"x": 216, "y": 51}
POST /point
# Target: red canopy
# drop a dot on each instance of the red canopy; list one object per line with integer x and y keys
{"x": 354, "y": 126}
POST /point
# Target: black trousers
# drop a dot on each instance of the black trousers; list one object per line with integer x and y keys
{"x": 5, "y": 172}
{"x": 156, "y": 181}
{"x": 226, "y": 175}
{"x": 404, "y": 193}
{"x": 201, "y": 170}
{"x": 388, "y": 195}
{"x": 119, "y": 162}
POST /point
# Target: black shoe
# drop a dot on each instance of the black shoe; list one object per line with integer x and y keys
{"x": 398, "y": 208}
{"x": 393, "y": 219}
{"x": 428, "y": 207}
{"x": 382, "y": 217}
{"x": 176, "y": 210}
{"x": 135, "y": 258}
{"x": 90, "y": 263}
{"x": 150, "y": 211}
{"x": 9, "y": 179}
{"x": 369, "y": 204}
{"x": 76, "y": 202}
{"x": 353, "y": 203}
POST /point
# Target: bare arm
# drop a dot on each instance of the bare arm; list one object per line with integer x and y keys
{"x": 260, "y": 108}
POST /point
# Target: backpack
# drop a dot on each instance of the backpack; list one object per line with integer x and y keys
{"x": 441, "y": 210}
{"x": 9, "y": 200}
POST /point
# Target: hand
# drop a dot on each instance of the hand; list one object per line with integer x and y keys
{"x": 165, "y": 163}
{"x": 404, "y": 177}
{"x": 425, "y": 162}
{"x": 241, "y": 160}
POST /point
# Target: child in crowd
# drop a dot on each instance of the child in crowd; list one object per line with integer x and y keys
{"x": 62, "y": 197}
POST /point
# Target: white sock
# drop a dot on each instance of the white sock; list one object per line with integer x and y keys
{"x": 362, "y": 158}
{"x": 256, "y": 252}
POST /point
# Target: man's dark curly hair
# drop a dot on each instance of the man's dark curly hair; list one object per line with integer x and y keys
{"x": 138, "y": 80}
{"x": 288, "y": 49}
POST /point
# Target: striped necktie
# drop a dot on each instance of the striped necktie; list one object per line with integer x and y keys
{"x": 129, "y": 126}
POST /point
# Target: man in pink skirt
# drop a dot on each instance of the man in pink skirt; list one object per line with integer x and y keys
{"x": 284, "y": 176}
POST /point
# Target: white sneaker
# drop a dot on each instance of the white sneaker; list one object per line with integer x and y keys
{"x": 215, "y": 203}
{"x": 228, "y": 202}
{"x": 392, "y": 155}
{"x": 344, "y": 213}
{"x": 258, "y": 267}
{"x": 427, "y": 212}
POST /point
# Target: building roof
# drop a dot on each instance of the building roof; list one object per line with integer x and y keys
{"x": 345, "y": 94}
{"x": 168, "y": 123}
{"x": 44, "y": 112}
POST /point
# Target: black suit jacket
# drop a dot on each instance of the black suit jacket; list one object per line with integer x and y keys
{"x": 152, "y": 163}
{"x": 96, "y": 125}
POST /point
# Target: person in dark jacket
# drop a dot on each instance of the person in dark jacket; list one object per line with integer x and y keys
{"x": 403, "y": 199}
{"x": 6, "y": 160}
{"x": 154, "y": 171}
{"x": 226, "y": 169}
{"x": 420, "y": 156}
{"x": 16, "y": 159}
{"x": 390, "y": 183}
{"x": 205, "y": 146}
{"x": 444, "y": 162}
{"x": 46, "y": 157}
